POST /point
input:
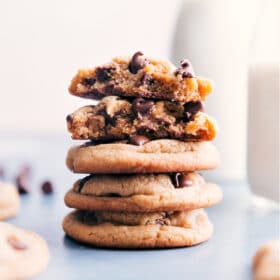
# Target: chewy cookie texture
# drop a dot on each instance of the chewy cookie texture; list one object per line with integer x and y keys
{"x": 147, "y": 137}
{"x": 134, "y": 230}
{"x": 142, "y": 193}
{"x": 115, "y": 118}
{"x": 141, "y": 77}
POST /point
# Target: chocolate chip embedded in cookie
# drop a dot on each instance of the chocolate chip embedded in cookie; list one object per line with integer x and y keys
{"x": 142, "y": 193}
{"x": 158, "y": 156}
{"x": 9, "y": 201}
{"x": 114, "y": 118}
{"x": 139, "y": 76}
{"x": 23, "y": 253}
{"x": 135, "y": 230}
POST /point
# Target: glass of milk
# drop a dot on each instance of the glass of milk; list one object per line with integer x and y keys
{"x": 263, "y": 106}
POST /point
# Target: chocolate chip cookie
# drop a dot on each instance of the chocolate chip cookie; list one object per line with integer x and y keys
{"x": 142, "y": 193}
{"x": 114, "y": 118}
{"x": 9, "y": 201}
{"x": 23, "y": 253}
{"x": 266, "y": 262}
{"x": 135, "y": 230}
{"x": 139, "y": 76}
{"x": 157, "y": 156}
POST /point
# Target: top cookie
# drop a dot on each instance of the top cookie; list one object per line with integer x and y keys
{"x": 141, "y": 77}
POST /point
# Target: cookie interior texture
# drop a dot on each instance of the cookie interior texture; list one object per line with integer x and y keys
{"x": 23, "y": 253}
{"x": 151, "y": 230}
{"x": 116, "y": 119}
{"x": 153, "y": 79}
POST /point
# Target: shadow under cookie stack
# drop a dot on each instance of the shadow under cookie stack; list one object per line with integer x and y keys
{"x": 147, "y": 138}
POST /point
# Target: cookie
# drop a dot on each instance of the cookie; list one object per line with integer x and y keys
{"x": 23, "y": 253}
{"x": 114, "y": 118}
{"x": 141, "y": 77}
{"x": 158, "y": 156}
{"x": 9, "y": 201}
{"x": 143, "y": 193}
{"x": 266, "y": 262}
{"x": 135, "y": 230}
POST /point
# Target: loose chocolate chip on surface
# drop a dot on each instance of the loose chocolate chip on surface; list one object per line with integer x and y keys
{"x": 47, "y": 187}
{"x": 142, "y": 107}
{"x": 139, "y": 140}
{"x": 89, "y": 81}
{"x": 181, "y": 180}
{"x": 16, "y": 243}
{"x": 103, "y": 74}
{"x": 21, "y": 183}
{"x": 137, "y": 62}
{"x": 185, "y": 69}
{"x": 2, "y": 172}
{"x": 191, "y": 108}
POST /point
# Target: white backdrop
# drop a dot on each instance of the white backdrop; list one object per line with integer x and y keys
{"x": 43, "y": 43}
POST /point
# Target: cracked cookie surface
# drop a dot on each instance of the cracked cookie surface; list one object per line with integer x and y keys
{"x": 135, "y": 230}
{"x": 141, "y": 77}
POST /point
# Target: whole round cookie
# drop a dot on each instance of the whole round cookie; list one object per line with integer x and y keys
{"x": 23, "y": 253}
{"x": 142, "y": 193}
{"x": 9, "y": 201}
{"x": 136, "y": 230}
{"x": 157, "y": 156}
{"x": 266, "y": 262}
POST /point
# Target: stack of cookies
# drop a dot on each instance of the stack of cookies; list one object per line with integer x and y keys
{"x": 147, "y": 138}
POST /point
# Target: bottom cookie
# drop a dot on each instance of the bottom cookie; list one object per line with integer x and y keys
{"x": 9, "y": 201}
{"x": 137, "y": 230}
{"x": 23, "y": 253}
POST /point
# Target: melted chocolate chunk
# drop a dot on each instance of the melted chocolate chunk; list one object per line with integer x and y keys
{"x": 138, "y": 140}
{"x": 16, "y": 243}
{"x": 69, "y": 118}
{"x": 181, "y": 180}
{"x": 47, "y": 187}
{"x": 84, "y": 180}
{"x": 185, "y": 69}
{"x": 113, "y": 195}
{"x": 89, "y": 218}
{"x": 137, "y": 62}
{"x": 89, "y": 81}
{"x": 103, "y": 74}
{"x": 191, "y": 108}
{"x": 147, "y": 80}
{"x": 142, "y": 107}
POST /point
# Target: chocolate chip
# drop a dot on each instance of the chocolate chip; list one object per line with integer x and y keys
{"x": 137, "y": 62}
{"x": 21, "y": 183}
{"x": 113, "y": 195}
{"x": 161, "y": 222}
{"x": 185, "y": 69}
{"x": 103, "y": 74}
{"x": 47, "y": 187}
{"x": 2, "y": 172}
{"x": 181, "y": 180}
{"x": 191, "y": 108}
{"x": 142, "y": 107}
{"x": 90, "y": 218}
{"x": 69, "y": 118}
{"x": 138, "y": 140}
{"x": 89, "y": 81}
{"x": 16, "y": 243}
{"x": 147, "y": 80}
{"x": 84, "y": 180}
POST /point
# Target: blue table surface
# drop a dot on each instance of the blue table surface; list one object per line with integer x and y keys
{"x": 239, "y": 226}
